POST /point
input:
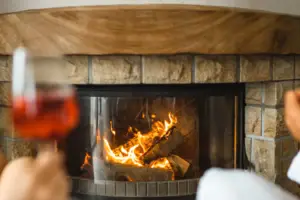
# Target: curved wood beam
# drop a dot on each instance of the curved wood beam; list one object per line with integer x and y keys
{"x": 149, "y": 29}
{"x": 288, "y": 7}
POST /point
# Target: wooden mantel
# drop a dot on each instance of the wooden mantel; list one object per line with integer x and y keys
{"x": 150, "y": 29}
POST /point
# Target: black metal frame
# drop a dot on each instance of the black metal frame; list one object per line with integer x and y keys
{"x": 196, "y": 90}
{"x": 160, "y": 89}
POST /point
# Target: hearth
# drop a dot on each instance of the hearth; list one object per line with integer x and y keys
{"x": 153, "y": 140}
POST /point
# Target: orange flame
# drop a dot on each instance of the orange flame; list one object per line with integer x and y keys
{"x": 131, "y": 152}
{"x": 86, "y": 161}
{"x": 112, "y": 129}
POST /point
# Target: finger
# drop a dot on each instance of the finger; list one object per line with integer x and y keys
{"x": 47, "y": 164}
{"x": 292, "y": 113}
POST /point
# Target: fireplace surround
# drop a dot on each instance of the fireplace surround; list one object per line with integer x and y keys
{"x": 203, "y": 128}
{"x": 267, "y": 143}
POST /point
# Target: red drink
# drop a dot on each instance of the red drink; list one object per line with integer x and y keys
{"x": 48, "y": 117}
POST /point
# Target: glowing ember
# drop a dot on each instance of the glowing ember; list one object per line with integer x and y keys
{"x": 131, "y": 152}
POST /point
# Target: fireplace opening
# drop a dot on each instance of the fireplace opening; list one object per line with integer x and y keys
{"x": 154, "y": 140}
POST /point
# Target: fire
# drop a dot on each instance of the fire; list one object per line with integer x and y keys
{"x": 86, "y": 161}
{"x": 161, "y": 163}
{"x": 112, "y": 129}
{"x": 131, "y": 153}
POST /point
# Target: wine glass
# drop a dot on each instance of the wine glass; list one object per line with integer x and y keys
{"x": 44, "y": 103}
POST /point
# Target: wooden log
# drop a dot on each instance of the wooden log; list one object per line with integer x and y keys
{"x": 164, "y": 147}
{"x": 121, "y": 172}
{"x": 179, "y": 165}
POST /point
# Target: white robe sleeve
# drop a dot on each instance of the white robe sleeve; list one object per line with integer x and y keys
{"x": 222, "y": 184}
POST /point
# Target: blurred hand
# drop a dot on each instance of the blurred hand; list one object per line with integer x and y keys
{"x": 42, "y": 178}
{"x": 292, "y": 112}
{"x": 3, "y": 162}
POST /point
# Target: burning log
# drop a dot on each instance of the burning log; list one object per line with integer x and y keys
{"x": 121, "y": 172}
{"x": 141, "y": 173}
{"x": 179, "y": 165}
{"x": 164, "y": 147}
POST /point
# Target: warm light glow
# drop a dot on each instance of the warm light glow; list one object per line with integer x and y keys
{"x": 112, "y": 129}
{"x": 98, "y": 138}
{"x": 131, "y": 152}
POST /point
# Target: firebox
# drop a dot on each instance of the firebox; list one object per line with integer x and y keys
{"x": 153, "y": 140}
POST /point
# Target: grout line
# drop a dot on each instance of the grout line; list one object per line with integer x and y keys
{"x": 90, "y": 70}
{"x": 265, "y": 106}
{"x": 252, "y": 150}
{"x": 193, "y": 69}
{"x": 261, "y": 138}
{"x": 287, "y": 137}
{"x": 262, "y": 110}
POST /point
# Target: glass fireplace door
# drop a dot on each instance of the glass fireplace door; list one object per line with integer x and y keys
{"x": 155, "y": 135}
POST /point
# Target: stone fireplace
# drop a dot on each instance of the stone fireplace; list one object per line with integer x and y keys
{"x": 234, "y": 64}
{"x": 267, "y": 143}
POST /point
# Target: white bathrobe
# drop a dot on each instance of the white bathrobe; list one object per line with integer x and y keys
{"x": 222, "y": 184}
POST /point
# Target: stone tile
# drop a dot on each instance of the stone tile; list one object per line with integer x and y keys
{"x": 91, "y": 188}
{"x": 289, "y": 147}
{"x": 75, "y": 185}
{"x": 163, "y": 188}
{"x": 182, "y": 187}
{"x": 6, "y": 127}
{"x": 76, "y": 69}
{"x": 5, "y": 93}
{"x": 83, "y": 186}
{"x": 248, "y": 147}
{"x": 274, "y": 125}
{"x": 283, "y": 67}
{"x": 253, "y": 93}
{"x": 141, "y": 189}
{"x": 17, "y": 148}
{"x": 173, "y": 188}
{"x": 167, "y": 69}
{"x": 131, "y": 189}
{"x": 110, "y": 188}
{"x": 264, "y": 158}
{"x": 297, "y": 67}
{"x": 116, "y": 69}
{"x": 274, "y": 92}
{"x": 121, "y": 188}
{"x": 255, "y": 68}
{"x": 193, "y": 185}
{"x": 253, "y": 120}
{"x": 151, "y": 189}
{"x": 5, "y": 68}
{"x": 100, "y": 188}
{"x": 215, "y": 69}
